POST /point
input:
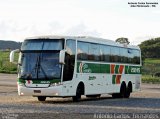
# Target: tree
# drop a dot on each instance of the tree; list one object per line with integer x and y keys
{"x": 150, "y": 48}
{"x": 123, "y": 40}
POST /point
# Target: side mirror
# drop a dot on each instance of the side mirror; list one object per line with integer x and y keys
{"x": 12, "y": 53}
{"x": 62, "y": 57}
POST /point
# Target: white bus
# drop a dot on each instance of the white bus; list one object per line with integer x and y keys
{"x": 65, "y": 66}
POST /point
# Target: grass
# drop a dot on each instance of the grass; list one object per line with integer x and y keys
{"x": 151, "y": 66}
{"x": 5, "y": 65}
{"x": 152, "y": 61}
{"x": 150, "y": 79}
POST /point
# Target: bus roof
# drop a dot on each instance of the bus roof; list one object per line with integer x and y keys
{"x": 87, "y": 39}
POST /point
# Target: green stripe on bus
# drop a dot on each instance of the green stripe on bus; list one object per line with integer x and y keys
{"x": 83, "y": 67}
{"x": 126, "y": 69}
{"x": 132, "y": 70}
{"x": 117, "y": 69}
{"x": 105, "y": 68}
{"x": 94, "y": 68}
{"x": 114, "y": 79}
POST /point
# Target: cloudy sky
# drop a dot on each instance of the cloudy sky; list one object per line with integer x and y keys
{"x": 108, "y": 19}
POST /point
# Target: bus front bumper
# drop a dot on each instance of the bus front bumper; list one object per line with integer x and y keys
{"x": 54, "y": 91}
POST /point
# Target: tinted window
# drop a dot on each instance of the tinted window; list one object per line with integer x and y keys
{"x": 53, "y": 45}
{"x": 130, "y": 56}
{"x": 99, "y": 52}
{"x": 93, "y": 52}
{"x": 82, "y": 49}
{"x": 114, "y": 54}
{"x": 136, "y": 58}
{"x": 123, "y": 55}
{"x": 42, "y": 44}
{"x": 105, "y": 53}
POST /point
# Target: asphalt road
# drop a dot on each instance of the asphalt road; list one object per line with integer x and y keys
{"x": 144, "y": 104}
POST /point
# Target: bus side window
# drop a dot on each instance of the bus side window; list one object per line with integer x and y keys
{"x": 115, "y": 54}
{"x": 130, "y": 56}
{"x": 105, "y": 53}
{"x": 94, "y": 52}
{"x": 136, "y": 58}
{"x": 69, "y": 60}
{"x": 82, "y": 50}
{"x": 123, "y": 55}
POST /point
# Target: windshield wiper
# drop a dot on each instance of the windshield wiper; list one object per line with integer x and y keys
{"x": 37, "y": 68}
{"x": 40, "y": 67}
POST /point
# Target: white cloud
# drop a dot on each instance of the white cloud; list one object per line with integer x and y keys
{"x": 82, "y": 30}
{"x": 100, "y": 18}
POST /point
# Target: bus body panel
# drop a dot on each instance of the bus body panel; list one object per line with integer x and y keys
{"x": 50, "y": 91}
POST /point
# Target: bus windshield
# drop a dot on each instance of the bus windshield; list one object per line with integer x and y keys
{"x": 40, "y": 60}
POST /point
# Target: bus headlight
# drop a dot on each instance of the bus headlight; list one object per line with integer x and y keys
{"x": 55, "y": 84}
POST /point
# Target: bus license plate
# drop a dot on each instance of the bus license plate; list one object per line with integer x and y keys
{"x": 37, "y": 91}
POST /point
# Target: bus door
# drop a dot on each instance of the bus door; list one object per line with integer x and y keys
{"x": 68, "y": 70}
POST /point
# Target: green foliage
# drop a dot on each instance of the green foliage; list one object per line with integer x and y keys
{"x": 150, "y": 79}
{"x": 149, "y": 69}
{"x": 150, "y": 48}
{"x": 157, "y": 74}
{"x": 122, "y": 40}
{"x": 151, "y": 66}
{"x": 5, "y": 65}
{"x": 152, "y": 60}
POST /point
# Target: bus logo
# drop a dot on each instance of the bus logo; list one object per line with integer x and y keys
{"x": 135, "y": 70}
{"x": 83, "y": 68}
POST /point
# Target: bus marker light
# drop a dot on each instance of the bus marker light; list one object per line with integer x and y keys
{"x": 56, "y": 93}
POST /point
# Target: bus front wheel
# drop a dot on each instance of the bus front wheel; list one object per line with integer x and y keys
{"x": 41, "y": 98}
{"x": 79, "y": 92}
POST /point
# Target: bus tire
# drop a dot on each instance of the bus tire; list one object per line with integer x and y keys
{"x": 78, "y": 95}
{"x": 79, "y": 92}
{"x": 123, "y": 90}
{"x": 41, "y": 98}
{"x": 128, "y": 90}
{"x": 127, "y": 95}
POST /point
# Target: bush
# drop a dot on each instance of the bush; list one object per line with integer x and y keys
{"x": 150, "y": 79}
{"x": 5, "y": 65}
{"x": 157, "y": 74}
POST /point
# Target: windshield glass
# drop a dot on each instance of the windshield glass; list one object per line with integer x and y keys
{"x": 40, "y": 66}
{"x": 45, "y": 44}
{"x": 40, "y": 60}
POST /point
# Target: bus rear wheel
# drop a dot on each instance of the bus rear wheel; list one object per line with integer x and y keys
{"x": 123, "y": 90}
{"x": 128, "y": 90}
{"x": 122, "y": 93}
{"x": 41, "y": 98}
